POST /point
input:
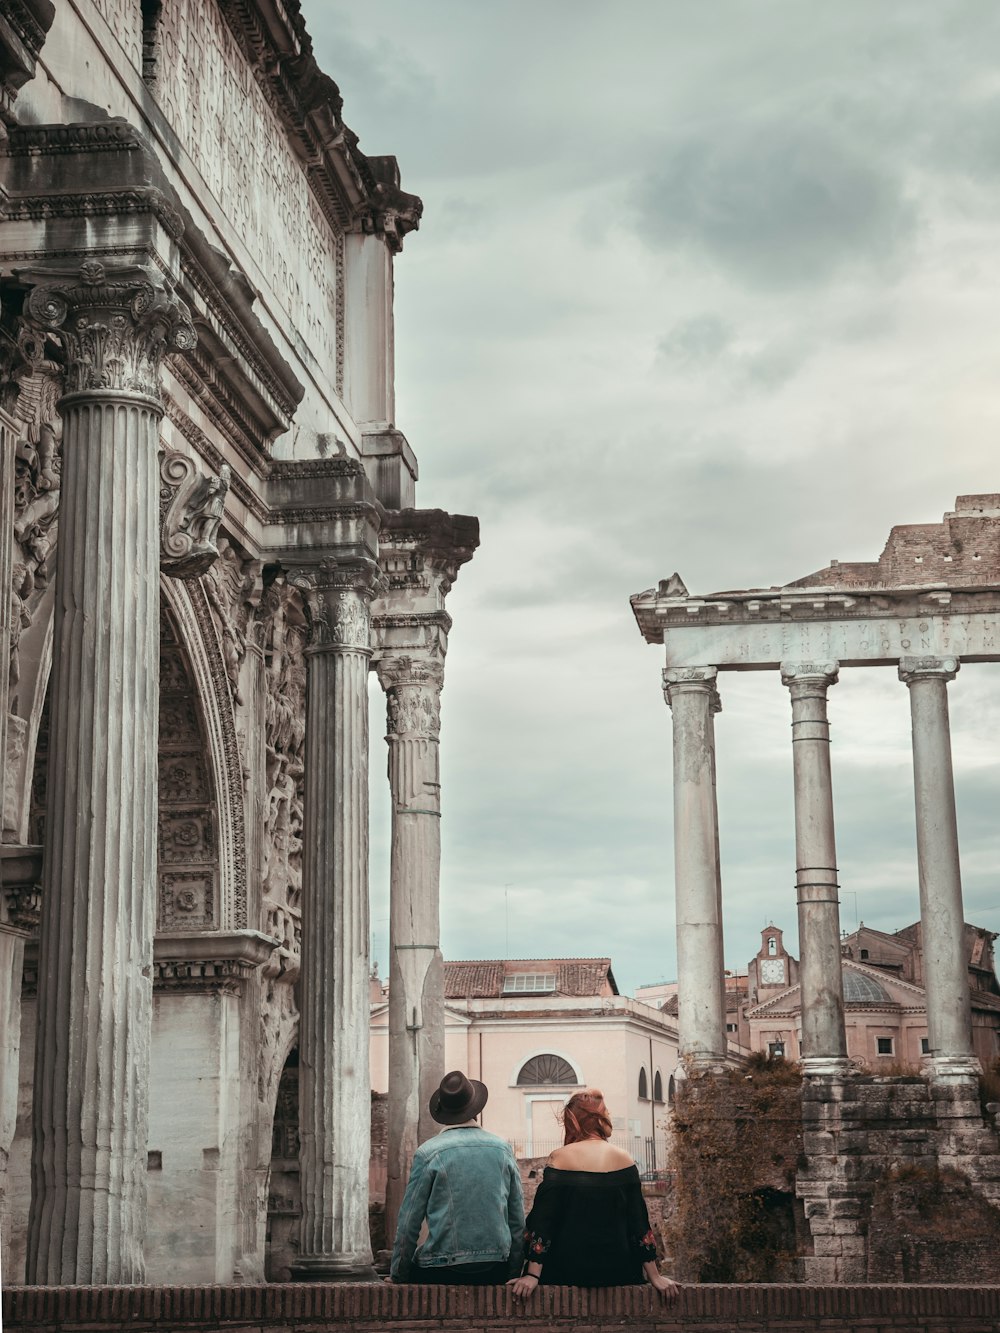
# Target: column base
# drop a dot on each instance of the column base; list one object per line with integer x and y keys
{"x": 704, "y": 1062}
{"x": 827, "y": 1066}
{"x": 334, "y": 1268}
{"x": 952, "y": 1068}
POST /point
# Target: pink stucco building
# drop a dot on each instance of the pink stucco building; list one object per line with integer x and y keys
{"x": 537, "y": 1030}
{"x": 884, "y": 1000}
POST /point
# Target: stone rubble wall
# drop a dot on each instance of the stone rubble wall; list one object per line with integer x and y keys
{"x": 296, "y": 1308}
{"x": 867, "y": 1143}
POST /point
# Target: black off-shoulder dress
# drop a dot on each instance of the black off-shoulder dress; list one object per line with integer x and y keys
{"x": 589, "y": 1228}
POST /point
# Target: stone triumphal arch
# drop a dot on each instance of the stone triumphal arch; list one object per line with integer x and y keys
{"x": 209, "y": 538}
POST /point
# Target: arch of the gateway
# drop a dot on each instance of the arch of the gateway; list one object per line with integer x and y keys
{"x": 927, "y": 605}
{"x": 210, "y": 537}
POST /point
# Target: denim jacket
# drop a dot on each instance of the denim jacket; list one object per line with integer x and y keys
{"x": 466, "y": 1183}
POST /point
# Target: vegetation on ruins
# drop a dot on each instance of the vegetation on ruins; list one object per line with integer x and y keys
{"x": 736, "y": 1142}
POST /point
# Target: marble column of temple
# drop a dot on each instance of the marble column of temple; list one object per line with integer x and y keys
{"x": 95, "y": 989}
{"x": 942, "y": 919}
{"x": 334, "y": 1083}
{"x": 416, "y": 968}
{"x": 701, "y": 1016}
{"x": 824, "y": 1039}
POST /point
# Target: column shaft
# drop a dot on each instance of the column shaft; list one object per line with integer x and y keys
{"x": 94, "y": 1002}
{"x": 416, "y": 968}
{"x": 334, "y": 1081}
{"x": 942, "y": 918}
{"x": 701, "y": 1018}
{"x": 824, "y": 1040}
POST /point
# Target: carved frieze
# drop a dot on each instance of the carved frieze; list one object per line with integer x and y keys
{"x": 115, "y": 322}
{"x": 191, "y": 509}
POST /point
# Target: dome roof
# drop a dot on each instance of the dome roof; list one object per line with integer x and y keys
{"x": 859, "y": 988}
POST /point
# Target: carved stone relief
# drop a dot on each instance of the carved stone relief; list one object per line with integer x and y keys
{"x": 187, "y": 837}
{"x": 281, "y": 633}
{"x": 32, "y": 392}
{"x": 191, "y": 509}
{"x": 232, "y": 588}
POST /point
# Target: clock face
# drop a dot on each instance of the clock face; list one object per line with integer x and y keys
{"x": 772, "y": 971}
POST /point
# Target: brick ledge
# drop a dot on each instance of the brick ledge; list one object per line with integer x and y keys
{"x": 285, "y": 1307}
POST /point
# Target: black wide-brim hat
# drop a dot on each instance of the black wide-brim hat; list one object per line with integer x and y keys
{"x": 458, "y": 1099}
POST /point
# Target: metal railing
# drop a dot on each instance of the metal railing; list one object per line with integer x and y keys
{"x": 649, "y": 1152}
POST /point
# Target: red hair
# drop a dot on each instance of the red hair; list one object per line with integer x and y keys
{"x": 586, "y": 1117}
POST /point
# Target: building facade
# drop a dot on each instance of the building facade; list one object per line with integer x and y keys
{"x": 210, "y": 537}
{"x": 537, "y": 1030}
{"x": 885, "y": 1003}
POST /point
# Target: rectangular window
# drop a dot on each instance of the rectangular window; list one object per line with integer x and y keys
{"x": 925, "y": 1045}
{"x": 776, "y": 1049}
{"x": 730, "y": 1027}
{"x": 532, "y": 983}
{"x": 884, "y": 1045}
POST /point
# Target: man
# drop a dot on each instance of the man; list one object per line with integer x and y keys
{"x": 465, "y": 1182}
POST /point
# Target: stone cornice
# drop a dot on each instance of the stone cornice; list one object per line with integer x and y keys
{"x": 657, "y": 611}
{"x": 24, "y": 25}
{"x": 209, "y": 962}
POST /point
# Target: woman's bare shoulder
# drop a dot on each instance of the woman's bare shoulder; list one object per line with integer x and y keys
{"x": 619, "y": 1157}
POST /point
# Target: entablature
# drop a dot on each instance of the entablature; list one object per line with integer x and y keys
{"x": 758, "y": 629}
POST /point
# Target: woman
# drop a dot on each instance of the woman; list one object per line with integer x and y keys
{"x": 589, "y": 1226}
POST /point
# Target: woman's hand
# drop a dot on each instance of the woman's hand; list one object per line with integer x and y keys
{"x": 523, "y": 1285}
{"x": 666, "y": 1286}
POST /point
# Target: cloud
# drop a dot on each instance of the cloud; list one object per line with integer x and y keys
{"x": 778, "y": 203}
{"x": 710, "y": 289}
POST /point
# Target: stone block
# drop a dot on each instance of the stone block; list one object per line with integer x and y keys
{"x": 845, "y": 1208}
{"x": 817, "y": 1208}
{"x": 819, "y": 1142}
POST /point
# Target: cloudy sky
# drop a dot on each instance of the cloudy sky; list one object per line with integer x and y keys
{"x": 712, "y": 288}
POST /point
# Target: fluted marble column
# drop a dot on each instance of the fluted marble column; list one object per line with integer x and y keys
{"x": 88, "y": 1203}
{"x": 701, "y": 998}
{"x": 416, "y": 968}
{"x": 334, "y": 1080}
{"x": 942, "y": 918}
{"x": 824, "y": 1040}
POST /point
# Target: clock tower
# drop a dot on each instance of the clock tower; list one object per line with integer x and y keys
{"x": 773, "y": 969}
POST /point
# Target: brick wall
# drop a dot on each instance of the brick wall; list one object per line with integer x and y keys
{"x": 325, "y": 1309}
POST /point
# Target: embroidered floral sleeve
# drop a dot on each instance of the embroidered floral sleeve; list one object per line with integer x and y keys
{"x": 536, "y": 1247}
{"x": 647, "y": 1246}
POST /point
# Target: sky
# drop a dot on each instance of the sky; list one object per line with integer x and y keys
{"x": 712, "y": 288}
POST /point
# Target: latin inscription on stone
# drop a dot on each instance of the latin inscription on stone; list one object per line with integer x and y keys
{"x": 208, "y": 92}
{"x": 850, "y": 642}
{"x": 124, "y": 18}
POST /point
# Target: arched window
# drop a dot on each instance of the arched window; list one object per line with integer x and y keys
{"x": 772, "y": 945}
{"x": 643, "y": 1086}
{"x": 671, "y": 1089}
{"x": 657, "y": 1087}
{"x": 546, "y": 1069}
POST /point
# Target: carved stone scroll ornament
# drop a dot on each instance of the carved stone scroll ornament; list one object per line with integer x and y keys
{"x": 191, "y": 508}
{"x": 115, "y": 322}
{"x": 338, "y": 599}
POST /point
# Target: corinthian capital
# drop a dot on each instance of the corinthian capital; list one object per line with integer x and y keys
{"x": 413, "y": 694}
{"x": 338, "y": 597}
{"x": 116, "y": 322}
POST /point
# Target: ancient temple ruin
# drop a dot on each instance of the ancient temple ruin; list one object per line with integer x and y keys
{"x": 209, "y": 528}
{"x": 930, "y": 602}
